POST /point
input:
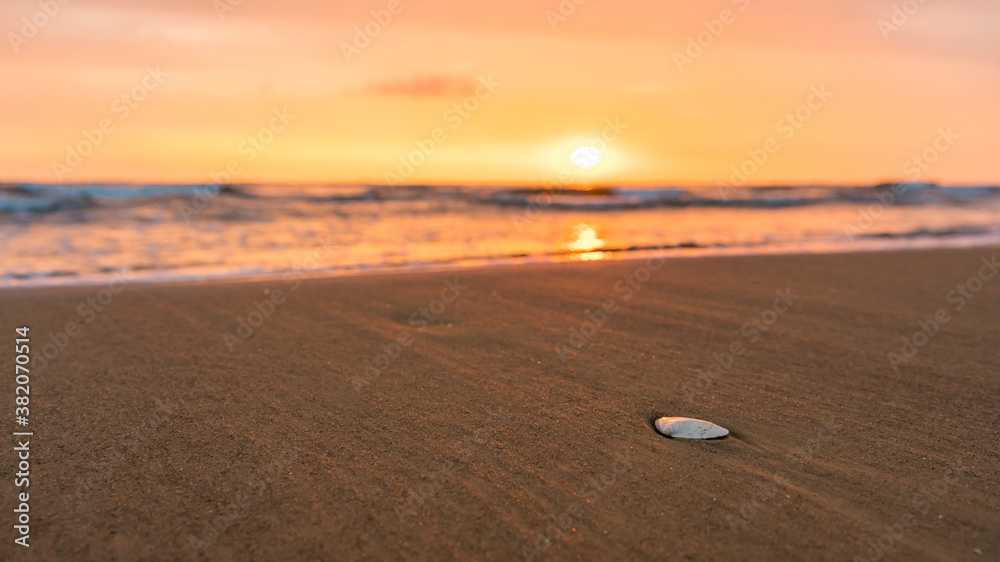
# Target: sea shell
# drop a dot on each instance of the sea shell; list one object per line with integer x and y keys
{"x": 688, "y": 428}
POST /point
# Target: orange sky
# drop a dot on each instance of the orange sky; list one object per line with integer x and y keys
{"x": 892, "y": 90}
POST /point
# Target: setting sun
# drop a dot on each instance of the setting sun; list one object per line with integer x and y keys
{"x": 586, "y": 157}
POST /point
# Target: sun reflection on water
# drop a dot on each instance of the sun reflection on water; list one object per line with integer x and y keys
{"x": 586, "y": 242}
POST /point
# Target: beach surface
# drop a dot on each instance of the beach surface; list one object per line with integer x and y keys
{"x": 506, "y": 413}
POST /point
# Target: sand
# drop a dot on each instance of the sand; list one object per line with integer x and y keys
{"x": 159, "y": 438}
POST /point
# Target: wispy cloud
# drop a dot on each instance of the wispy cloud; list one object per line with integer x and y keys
{"x": 420, "y": 86}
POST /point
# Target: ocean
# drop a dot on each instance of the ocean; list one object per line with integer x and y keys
{"x": 56, "y": 235}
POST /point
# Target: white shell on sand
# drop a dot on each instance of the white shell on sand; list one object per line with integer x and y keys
{"x": 688, "y": 428}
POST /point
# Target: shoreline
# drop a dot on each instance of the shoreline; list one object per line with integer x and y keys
{"x": 611, "y": 256}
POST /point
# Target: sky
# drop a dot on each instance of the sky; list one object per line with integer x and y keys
{"x": 703, "y": 92}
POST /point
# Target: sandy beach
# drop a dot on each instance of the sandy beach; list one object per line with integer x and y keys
{"x": 506, "y": 413}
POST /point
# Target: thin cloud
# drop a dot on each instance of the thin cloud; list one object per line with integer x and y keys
{"x": 423, "y": 86}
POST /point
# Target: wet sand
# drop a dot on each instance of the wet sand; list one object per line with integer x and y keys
{"x": 477, "y": 414}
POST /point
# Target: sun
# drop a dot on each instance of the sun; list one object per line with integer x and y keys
{"x": 585, "y": 157}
